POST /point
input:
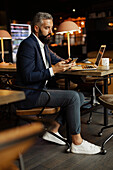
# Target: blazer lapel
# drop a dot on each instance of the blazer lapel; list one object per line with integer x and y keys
{"x": 47, "y": 53}
{"x": 34, "y": 38}
{"x": 39, "y": 50}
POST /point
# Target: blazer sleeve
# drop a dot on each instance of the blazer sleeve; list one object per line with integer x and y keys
{"x": 28, "y": 69}
{"x": 54, "y": 57}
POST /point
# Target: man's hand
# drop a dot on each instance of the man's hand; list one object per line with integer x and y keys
{"x": 69, "y": 60}
{"x": 61, "y": 67}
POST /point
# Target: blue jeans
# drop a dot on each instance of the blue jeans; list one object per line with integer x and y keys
{"x": 70, "y": 102}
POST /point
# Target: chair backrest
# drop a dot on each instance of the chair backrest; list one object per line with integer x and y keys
{"x": 15, "y": 141}
{"x": 35, "y": 111}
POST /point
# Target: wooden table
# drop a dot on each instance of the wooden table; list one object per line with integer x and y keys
{"x": 7, "y": 68}
{"x": 100, "y": 72}
{"x": 9, "y": 96}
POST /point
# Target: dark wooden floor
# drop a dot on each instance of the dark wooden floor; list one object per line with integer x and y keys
{"x": 48, "y": 156}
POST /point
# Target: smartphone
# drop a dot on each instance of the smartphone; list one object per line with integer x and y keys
{"x": 68, "y": 60}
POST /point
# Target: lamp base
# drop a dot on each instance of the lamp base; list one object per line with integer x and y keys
{"x": 4, "y": 64}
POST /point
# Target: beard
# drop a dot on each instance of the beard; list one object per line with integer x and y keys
{"x": 44, "y": 38}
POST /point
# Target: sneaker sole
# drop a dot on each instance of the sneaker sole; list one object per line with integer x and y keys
{"x": 54, "y": 141}
{"x": 88, "y": 153}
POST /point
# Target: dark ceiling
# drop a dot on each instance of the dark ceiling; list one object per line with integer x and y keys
{"x": 24, "y": 10}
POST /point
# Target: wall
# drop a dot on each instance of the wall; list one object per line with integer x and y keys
{"x": 98, "y": 33}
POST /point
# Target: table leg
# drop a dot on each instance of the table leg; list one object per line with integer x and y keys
{"x": 105, "y": 109}
{"x": 67, "y": 83}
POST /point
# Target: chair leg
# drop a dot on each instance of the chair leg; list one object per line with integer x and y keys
{"x": 103, "y": 150}
{"x": 21, "y": 162}
{"x": 94, "y": 96}
{"x": 90, "y": 118}
{"x": 106, "y": 127}
{"x": 69, "y": 139}
{"x": 93, "y": 102}
{"x": 66, "y": 141}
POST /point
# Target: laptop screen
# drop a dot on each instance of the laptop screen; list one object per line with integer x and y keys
{"x": 100, "y": 54}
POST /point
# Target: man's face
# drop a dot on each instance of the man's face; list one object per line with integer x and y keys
{"x": 45, "y": 31}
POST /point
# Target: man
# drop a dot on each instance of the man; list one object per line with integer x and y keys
{"x": 36, "y": 63}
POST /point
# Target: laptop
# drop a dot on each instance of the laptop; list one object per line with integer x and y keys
{"x": 94, "y": 66}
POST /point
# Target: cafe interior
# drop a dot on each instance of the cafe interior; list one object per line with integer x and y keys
{"x": 80, "y": 30}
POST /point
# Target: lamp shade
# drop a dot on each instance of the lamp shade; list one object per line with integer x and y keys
{"x": 4, "y": 34}
{"x": 67, "y": 26}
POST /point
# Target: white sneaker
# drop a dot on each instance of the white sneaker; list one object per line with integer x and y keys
{"x": 85, "y": 148}
{"x": 49, "y": 137}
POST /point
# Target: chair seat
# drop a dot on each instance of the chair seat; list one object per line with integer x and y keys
{"x": 106, "y": 100}
{"x": 91, "y": 80}
{"x": 36, "y": 111}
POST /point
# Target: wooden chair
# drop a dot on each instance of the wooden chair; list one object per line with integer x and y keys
{"x": 14, "y": 142}
{"x": 107, "y": 101}
{"x": 39, "y": 113}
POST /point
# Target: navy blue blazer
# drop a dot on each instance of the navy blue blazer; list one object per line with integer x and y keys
{"x": 31, "y": 70}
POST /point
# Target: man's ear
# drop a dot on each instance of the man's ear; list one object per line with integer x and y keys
{"x": 36, "y": 28}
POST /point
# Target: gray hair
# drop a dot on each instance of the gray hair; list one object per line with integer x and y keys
{"x": 38, "y": 19}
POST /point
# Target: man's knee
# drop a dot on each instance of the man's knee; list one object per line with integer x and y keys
{"x": 77, "y": 96}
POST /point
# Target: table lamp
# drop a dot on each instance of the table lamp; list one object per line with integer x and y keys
{"x": 67, "y": 27}
{"x": 3, "y": 35}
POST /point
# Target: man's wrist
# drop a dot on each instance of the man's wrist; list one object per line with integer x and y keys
{"x": 51, "y": 71}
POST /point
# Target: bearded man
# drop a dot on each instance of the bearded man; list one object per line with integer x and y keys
{"x": 36, "y": 64}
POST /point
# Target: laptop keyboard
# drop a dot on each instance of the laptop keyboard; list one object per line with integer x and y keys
{"x": 88, "y": 66}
